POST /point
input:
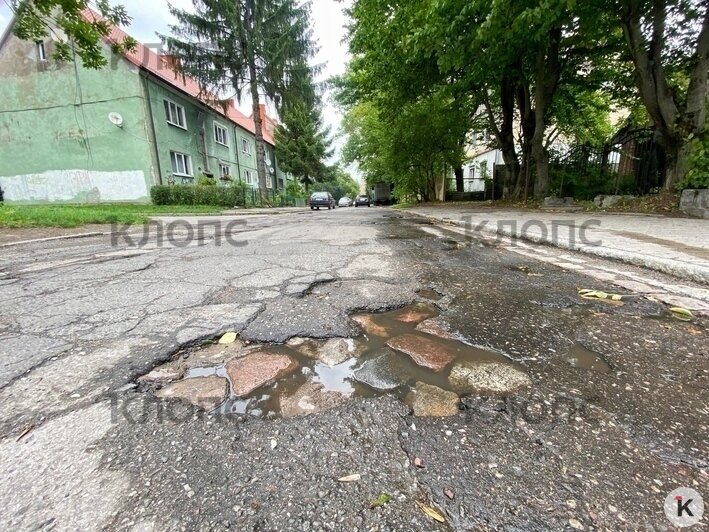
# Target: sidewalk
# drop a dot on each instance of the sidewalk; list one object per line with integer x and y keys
{"x": 676, "y": 246}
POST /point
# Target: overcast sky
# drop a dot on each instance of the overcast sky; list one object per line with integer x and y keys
{"x": 151, "y": 16}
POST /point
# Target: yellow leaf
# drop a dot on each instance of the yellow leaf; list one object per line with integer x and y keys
{"x": 431, "y": 512}
{"x": 228, "y": 338}
{"x": 682, "y": 313}
{"x": 597, "y": 294}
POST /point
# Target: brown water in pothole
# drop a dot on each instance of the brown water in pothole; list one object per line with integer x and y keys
{"x": 582, "y": 357}
{"x": 366, "y": 366}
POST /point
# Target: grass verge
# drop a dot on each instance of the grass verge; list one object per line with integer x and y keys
{"x": 15, "y": 216}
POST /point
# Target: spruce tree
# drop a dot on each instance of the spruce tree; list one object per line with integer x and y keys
{"x": 258, "y": 46}
{"x": 302, "y": 141}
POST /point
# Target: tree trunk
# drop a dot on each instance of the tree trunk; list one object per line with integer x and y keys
{"x": 255, "y": 103}
{"x": 527, "y": 124}
{"x": 459, "y": 179}
{"x": 676, "y": 163}
{"x": 507, "y": 139}
{"x": 674, "y": 121}
{"x": 541, "y": 166}
{"x": 258, "y": 132}
{"x": 547, "y": 75}
{"x": 504, "y": 134}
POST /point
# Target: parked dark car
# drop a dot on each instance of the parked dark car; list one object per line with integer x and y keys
{"x": 362, "y": 200}
{"x": 321, "y": 199}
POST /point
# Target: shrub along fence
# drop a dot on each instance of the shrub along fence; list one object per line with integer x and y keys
{"x": 228, "y": 196}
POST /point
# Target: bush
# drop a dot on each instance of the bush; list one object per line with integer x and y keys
{"x": 182, "y": 195}
{"x": 295, "y": 189}
{"x": 698, "y": 174}
{"x": 205, "y": 181}
{"x": 589, "y": 184}
{"x": 198, "y": 195}
{"x": 160, "y": 195}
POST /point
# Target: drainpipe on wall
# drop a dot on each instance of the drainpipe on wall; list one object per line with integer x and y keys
{"x": 236, "y": 147}
{"x": 152, "y": 125}
{"x": 203, "y": 138}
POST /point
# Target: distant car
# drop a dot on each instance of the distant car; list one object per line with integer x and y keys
{"x": 345, "y": 202}
{"x": 362, "y": 200}
{"x": 321, "y": 199}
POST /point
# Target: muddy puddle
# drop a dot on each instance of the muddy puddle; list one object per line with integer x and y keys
{"x": 409, "y": 353}
{"x": 581, "y": 357}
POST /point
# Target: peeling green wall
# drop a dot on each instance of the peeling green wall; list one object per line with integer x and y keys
{"x": 58, "y": 145}
{"x": 56, "y": 141}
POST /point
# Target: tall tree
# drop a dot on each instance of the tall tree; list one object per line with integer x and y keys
{"x": 76, "y": 29}
{"x": 261, "y": 47}
{"x": 668, "y": 41}
{"x": 302, "y": 143}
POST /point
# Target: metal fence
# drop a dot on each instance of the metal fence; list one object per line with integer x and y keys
{"x": 632, "y": 163}
{"x": 270, "y": 198}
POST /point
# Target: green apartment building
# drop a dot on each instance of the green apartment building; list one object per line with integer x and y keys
{"x": 73, "y": 135}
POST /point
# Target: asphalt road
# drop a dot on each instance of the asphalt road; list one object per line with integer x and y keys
{"x": 83, "y": 448}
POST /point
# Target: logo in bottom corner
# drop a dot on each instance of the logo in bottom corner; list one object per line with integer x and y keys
{"x": 684, "y": 507}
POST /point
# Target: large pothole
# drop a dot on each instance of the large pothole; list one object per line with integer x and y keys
{"x": 409, "y": 353}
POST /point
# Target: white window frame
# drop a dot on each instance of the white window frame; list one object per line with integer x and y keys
{"x": 269, "y": 179}
{"x": 41, "y": 51}
{"x": 186, "y": 163}
{"x": 180, "y": 113}
{"x": 248, "y": 177}
{"x": 245, "y": 146}
{"x": 218, "y": 126}
{"x": 222, "y": 167}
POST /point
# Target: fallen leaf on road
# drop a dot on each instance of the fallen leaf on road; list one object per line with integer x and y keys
{"x": 598, "y": 294}
{"x": 449, "y": 493}
{"x": 418, "y": 463}
{"x": 350, "y": 478}
{"x": 228, "y": 338}
{"x": 431, "y": 512}
{"x": 682, "y": 314}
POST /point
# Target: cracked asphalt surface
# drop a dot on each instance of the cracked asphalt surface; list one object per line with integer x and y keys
{"x": 82, "y": 448}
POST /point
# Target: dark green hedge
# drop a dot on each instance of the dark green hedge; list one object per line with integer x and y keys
{"x": 228, "y": 196}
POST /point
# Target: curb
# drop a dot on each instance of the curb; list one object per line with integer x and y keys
{"x": 694, "y": 273}
{"x": 53, "y": 238}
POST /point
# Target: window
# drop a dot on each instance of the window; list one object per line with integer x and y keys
{"x": 269, "y": 180}
{"x": 249, "y": 177}
{"x": 175, "y": 114}
{"x": 41, "y": 52}
{"x": 224, "y": 170}
{"x": 221, "y": 136}
{"x": 245, "y": 146}
{"x": 471, "y": 172}
{"x": 181, "y": 164}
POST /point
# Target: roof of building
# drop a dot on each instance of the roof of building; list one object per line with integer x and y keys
{"x": 159, "y": 66}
